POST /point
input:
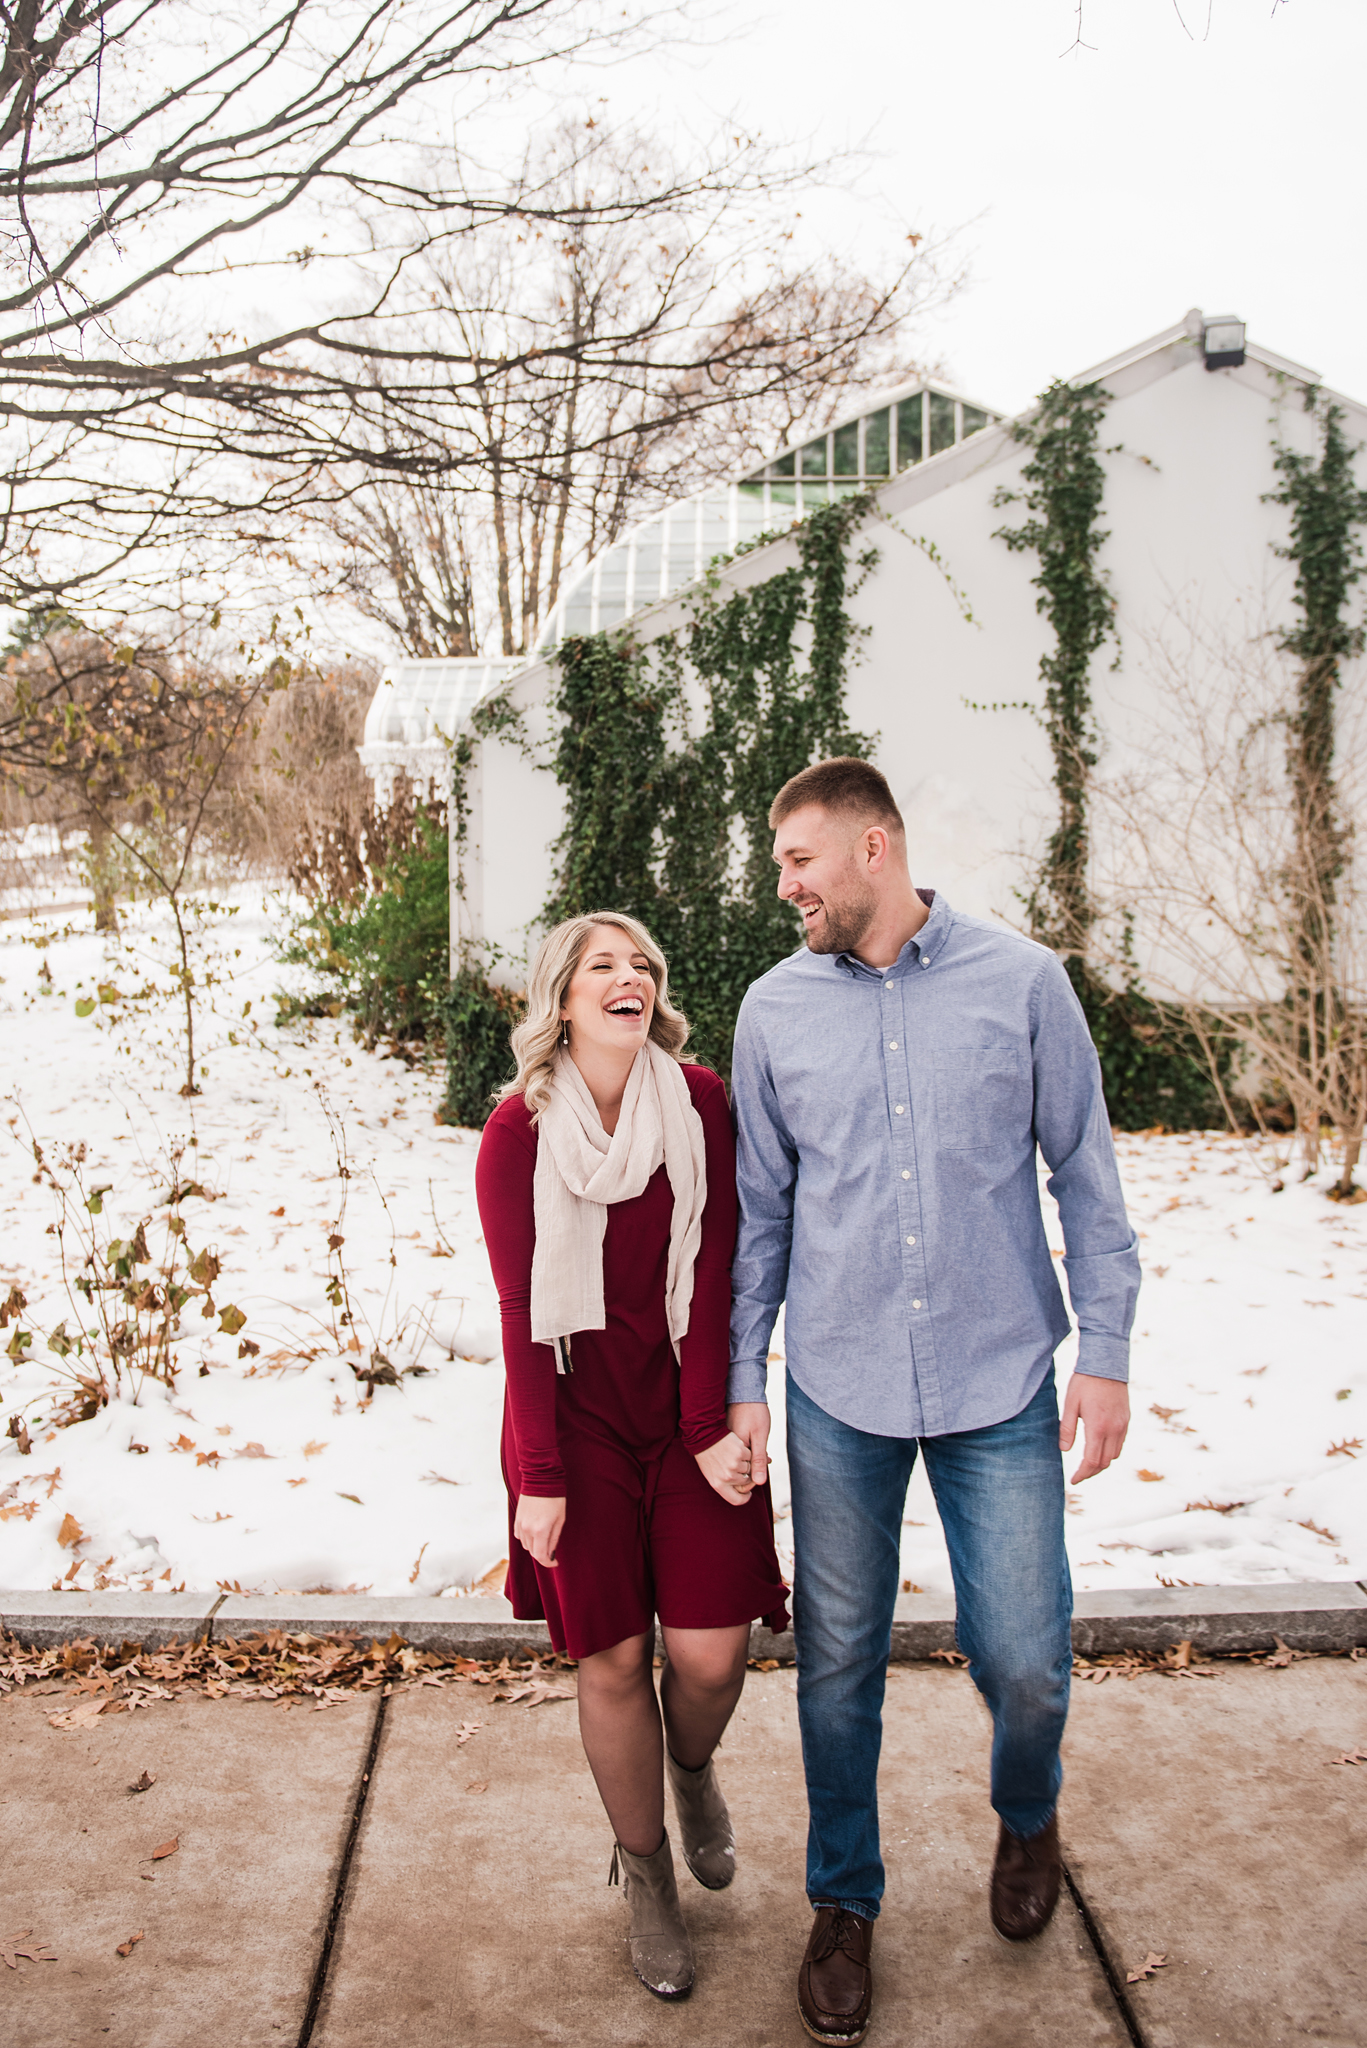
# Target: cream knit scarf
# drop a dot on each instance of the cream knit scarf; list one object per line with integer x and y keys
{"x": 580, "y": 1170}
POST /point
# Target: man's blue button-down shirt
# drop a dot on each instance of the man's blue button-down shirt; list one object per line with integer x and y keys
{"x": 887, "y": 1126}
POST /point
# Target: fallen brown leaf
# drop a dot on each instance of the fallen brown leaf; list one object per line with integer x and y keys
{"x": 1147, "y": 1968}
{"x": 1348, "y": 1447}
{"x": 13, "y": 1946}
{"x": 465, "y": 1731}
{"x": 166, "y": 1849}
{"x": 126, "y": 1948}
{"x": 1350, "y": 1756}
{"x": 313, "y": 1447}
{"x": 537, "y": 1693}
{"x": 478, "y": 1785}
{"x": 70, "y": 1533}
{"x": 143, "y": 1782}
{"x": 1152, "y": 1477}
{"x": 252, "y": 1451}
{"x": 949, "y": 1656}
{"x": 79, "y": 1716}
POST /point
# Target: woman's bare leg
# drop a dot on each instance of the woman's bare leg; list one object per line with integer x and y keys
{"x": 619, "y": 1721}
{"x": 701, "y": 1682}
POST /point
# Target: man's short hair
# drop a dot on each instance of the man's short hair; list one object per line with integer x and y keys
{"x": 847, "y": 786}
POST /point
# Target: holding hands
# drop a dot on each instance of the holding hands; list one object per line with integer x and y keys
{"x": 728, "y": 1469}
{"x": 740, "y": 1462}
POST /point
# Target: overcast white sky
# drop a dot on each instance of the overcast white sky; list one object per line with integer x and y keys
{"x": 1102, "y": 192}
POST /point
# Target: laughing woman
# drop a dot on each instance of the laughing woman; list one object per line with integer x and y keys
{"x": 606, "y": 1185}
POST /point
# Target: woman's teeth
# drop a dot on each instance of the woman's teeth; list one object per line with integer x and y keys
{"x": 627, "y": 1006}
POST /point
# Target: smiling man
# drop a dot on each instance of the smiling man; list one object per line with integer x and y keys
{"x": 892, "y": 1084}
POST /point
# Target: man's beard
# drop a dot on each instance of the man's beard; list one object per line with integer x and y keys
{"x": 843, "y": 924}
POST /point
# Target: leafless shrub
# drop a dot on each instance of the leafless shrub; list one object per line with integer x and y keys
{"x": 1210, "y": 840}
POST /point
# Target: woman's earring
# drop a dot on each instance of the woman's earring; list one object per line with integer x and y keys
{"x": 565, "y": 1031}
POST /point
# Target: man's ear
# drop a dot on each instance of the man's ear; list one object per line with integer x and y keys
{"x": 876, "y": 843}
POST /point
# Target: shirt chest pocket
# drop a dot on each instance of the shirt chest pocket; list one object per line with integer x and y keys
{"x": 982, "y": 1094}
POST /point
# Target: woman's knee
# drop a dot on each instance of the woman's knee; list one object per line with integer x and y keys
{"x": 709, "y": 1660}
{"x": 623, "y": 1668}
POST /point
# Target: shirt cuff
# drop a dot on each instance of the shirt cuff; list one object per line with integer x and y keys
{"x": 748, "y": 1381}
{"x": 1103, "y": 1357}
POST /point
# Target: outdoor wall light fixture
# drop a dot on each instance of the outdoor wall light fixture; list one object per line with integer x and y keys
{"x": 1222, "y": 344}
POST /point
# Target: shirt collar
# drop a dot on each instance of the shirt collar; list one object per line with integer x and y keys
{"x": 927, "y": 943}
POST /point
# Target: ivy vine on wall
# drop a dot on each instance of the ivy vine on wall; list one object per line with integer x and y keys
{"x": 1153, "y": 1067}
{"x": 1327, "y": 507}
{"x": 666, "y": 805}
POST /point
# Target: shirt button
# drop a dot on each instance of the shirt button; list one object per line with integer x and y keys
{"x": 925, "y": 963}
{"x": 892, "y": 1045}
{"x": 916, "y": 1304}
{"x": 888, "y": 982}
{"x": 899, "y": 1109}
{"x": 906, "y": 1175}
{"x": 911, "y": 1240}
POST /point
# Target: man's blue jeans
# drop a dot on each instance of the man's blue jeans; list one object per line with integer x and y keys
{"x": 1000, "y": 1496}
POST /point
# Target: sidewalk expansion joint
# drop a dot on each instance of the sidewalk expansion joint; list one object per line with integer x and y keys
{"x": 320, "y": 1974}
{"x": 1129, "y": 2018}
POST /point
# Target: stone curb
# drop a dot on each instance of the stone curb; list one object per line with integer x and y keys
{"x": 1325, "y": 1615}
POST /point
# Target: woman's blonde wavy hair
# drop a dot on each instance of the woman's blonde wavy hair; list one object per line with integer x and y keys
{"x": 535, "y": 1039}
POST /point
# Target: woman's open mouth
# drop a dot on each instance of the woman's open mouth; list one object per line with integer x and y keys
{"x": 626, "y": 1006}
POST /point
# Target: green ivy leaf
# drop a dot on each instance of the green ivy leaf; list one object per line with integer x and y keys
{"x": 84, "y": 1005}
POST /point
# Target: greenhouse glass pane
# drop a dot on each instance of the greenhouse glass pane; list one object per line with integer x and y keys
{"x": 716, "y": 528}
{"x": 612, "y": 576}
{"x": 941, "y": 422}
{"x": 846, "y": 446}
{"x": 781, "y": 495}
{"x": 876, "y": 439}
{"x": 814, "y": 458}
{"x": 648, "y": 567}
{"x": 975, "y": 419}
{"x": 909, "y": 443}
{"x": 784, "y": 464}
{"x": 814, "y": 494}
{"x": 681, "y": 562}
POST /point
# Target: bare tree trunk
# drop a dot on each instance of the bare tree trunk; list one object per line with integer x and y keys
{"x": 100, "y": 845}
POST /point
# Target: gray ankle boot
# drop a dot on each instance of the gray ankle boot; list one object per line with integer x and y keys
{"x": 661, "y": 1952}
{"x": 705, "y": 1832}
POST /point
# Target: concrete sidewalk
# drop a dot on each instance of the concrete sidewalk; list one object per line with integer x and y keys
{"x": 357, "y": 1875}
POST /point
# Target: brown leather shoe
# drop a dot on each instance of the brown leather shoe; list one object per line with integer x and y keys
{"x": 1025, "y": 1882}
{"x": 835, "y": 1983}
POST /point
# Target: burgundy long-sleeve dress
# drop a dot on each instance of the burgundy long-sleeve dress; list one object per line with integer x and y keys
{"x": 644, "y": 1532}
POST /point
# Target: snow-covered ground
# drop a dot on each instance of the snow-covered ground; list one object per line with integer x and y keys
{"x": 280, "y": 1470}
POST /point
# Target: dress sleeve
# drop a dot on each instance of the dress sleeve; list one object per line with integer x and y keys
{"x": 503, "y": 1189}
{"x": 704, "y": 1353}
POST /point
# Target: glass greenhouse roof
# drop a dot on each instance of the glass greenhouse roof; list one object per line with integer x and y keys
{"x": 419, "y": 701}
{"x": 672, "y": 549}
